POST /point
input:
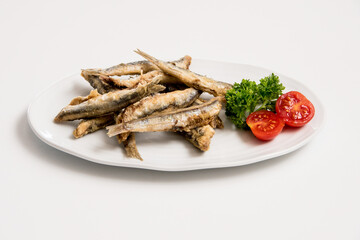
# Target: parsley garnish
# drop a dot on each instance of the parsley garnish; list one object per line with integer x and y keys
{"x": 247, "y": 97}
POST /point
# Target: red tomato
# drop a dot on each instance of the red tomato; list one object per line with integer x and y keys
{"x": 295, "y": 109}
{"x": 265, "y": 125}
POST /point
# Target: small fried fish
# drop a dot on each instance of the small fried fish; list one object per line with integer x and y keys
{"x": 189, "y": 78}
{"x": 178, "y": 120}
{"x": 107, "y": 103}
{"x": 151, "y": 104}
{"x": 99, "y": 78}
{"x": 136, "y": 67}
{"x": 132, "y": 82}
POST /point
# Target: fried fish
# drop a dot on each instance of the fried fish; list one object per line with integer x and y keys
{"x": 99, "y": 78}
{"x": 107, "y": 103}
{"x": 132, "y": 82}
{"x": 136, "y": 67}
{"x": 149, "y": 105}
{"x": 178, "y": 120}
{"x": 189, "y": 78}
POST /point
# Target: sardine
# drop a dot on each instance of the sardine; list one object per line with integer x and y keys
{"x": 96, "y": 76}
{"x": 178, "y": 120}
{"x": 151, "y": 104}
{"x": 189, "y": 78}
{"x": 136, "y": 67}
{"x": 87, "y": 126}
{"x": 129, "y": 141}
{"x": 107, "y": 103}
{"x": 132, "y": 82}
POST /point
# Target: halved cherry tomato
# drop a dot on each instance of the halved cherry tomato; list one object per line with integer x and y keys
{"x": 265, "y": 125}
{"x": 295, "y": 109}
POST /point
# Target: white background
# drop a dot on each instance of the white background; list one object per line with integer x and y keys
{"x": 312, "y": 193}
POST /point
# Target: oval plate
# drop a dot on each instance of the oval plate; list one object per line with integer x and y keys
{"x": 167, "y": 151}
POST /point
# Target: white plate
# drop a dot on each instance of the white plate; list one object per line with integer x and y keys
{"x": 168, "y": 151}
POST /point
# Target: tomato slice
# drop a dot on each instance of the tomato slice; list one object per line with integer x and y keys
{"x": 295, "y": 109}
{"x": 264, "y": 124}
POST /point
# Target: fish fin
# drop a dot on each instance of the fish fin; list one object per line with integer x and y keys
{"x": 187, "y": 60}
{"x": 85, "y": 73}
{"x": 77, "y": 100}
{"x": 130, "y": 147}
{"x": 93, "y": 93}
{"x": 156, "y": 88}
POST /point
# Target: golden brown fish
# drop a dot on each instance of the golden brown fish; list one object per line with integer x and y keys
{"x": 129, "y": 141}
{"x": 151, "y": 104}
{"x": 136, "y": 67}
{"x": 178, "y": 120}
{"x": 132, "y": 82}
{"x": 107, "y": 103}
{"x": 189, "y": 78}
{"x": 99, "y": 78}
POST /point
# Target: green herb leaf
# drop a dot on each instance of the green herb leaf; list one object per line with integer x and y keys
{"x": 247, "y": 97}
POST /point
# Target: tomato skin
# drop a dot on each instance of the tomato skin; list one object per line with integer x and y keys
{"x": 265, "y": 125}
{"x": 295, "y": 109}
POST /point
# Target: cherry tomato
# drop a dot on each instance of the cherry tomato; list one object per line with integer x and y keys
{"x": 295, "y": 109}
{"x": 265, "y": 125}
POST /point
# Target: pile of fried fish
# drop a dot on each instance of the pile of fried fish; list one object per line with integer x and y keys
{"x": 148, "y": 96}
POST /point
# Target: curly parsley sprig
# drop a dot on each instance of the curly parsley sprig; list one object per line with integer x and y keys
{"x": 247, "y": 97}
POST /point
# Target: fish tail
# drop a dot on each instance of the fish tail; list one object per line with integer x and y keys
{"x": 130, "y": 147}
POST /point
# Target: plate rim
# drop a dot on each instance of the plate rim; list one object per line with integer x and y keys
{"x": 212, "y": 165}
